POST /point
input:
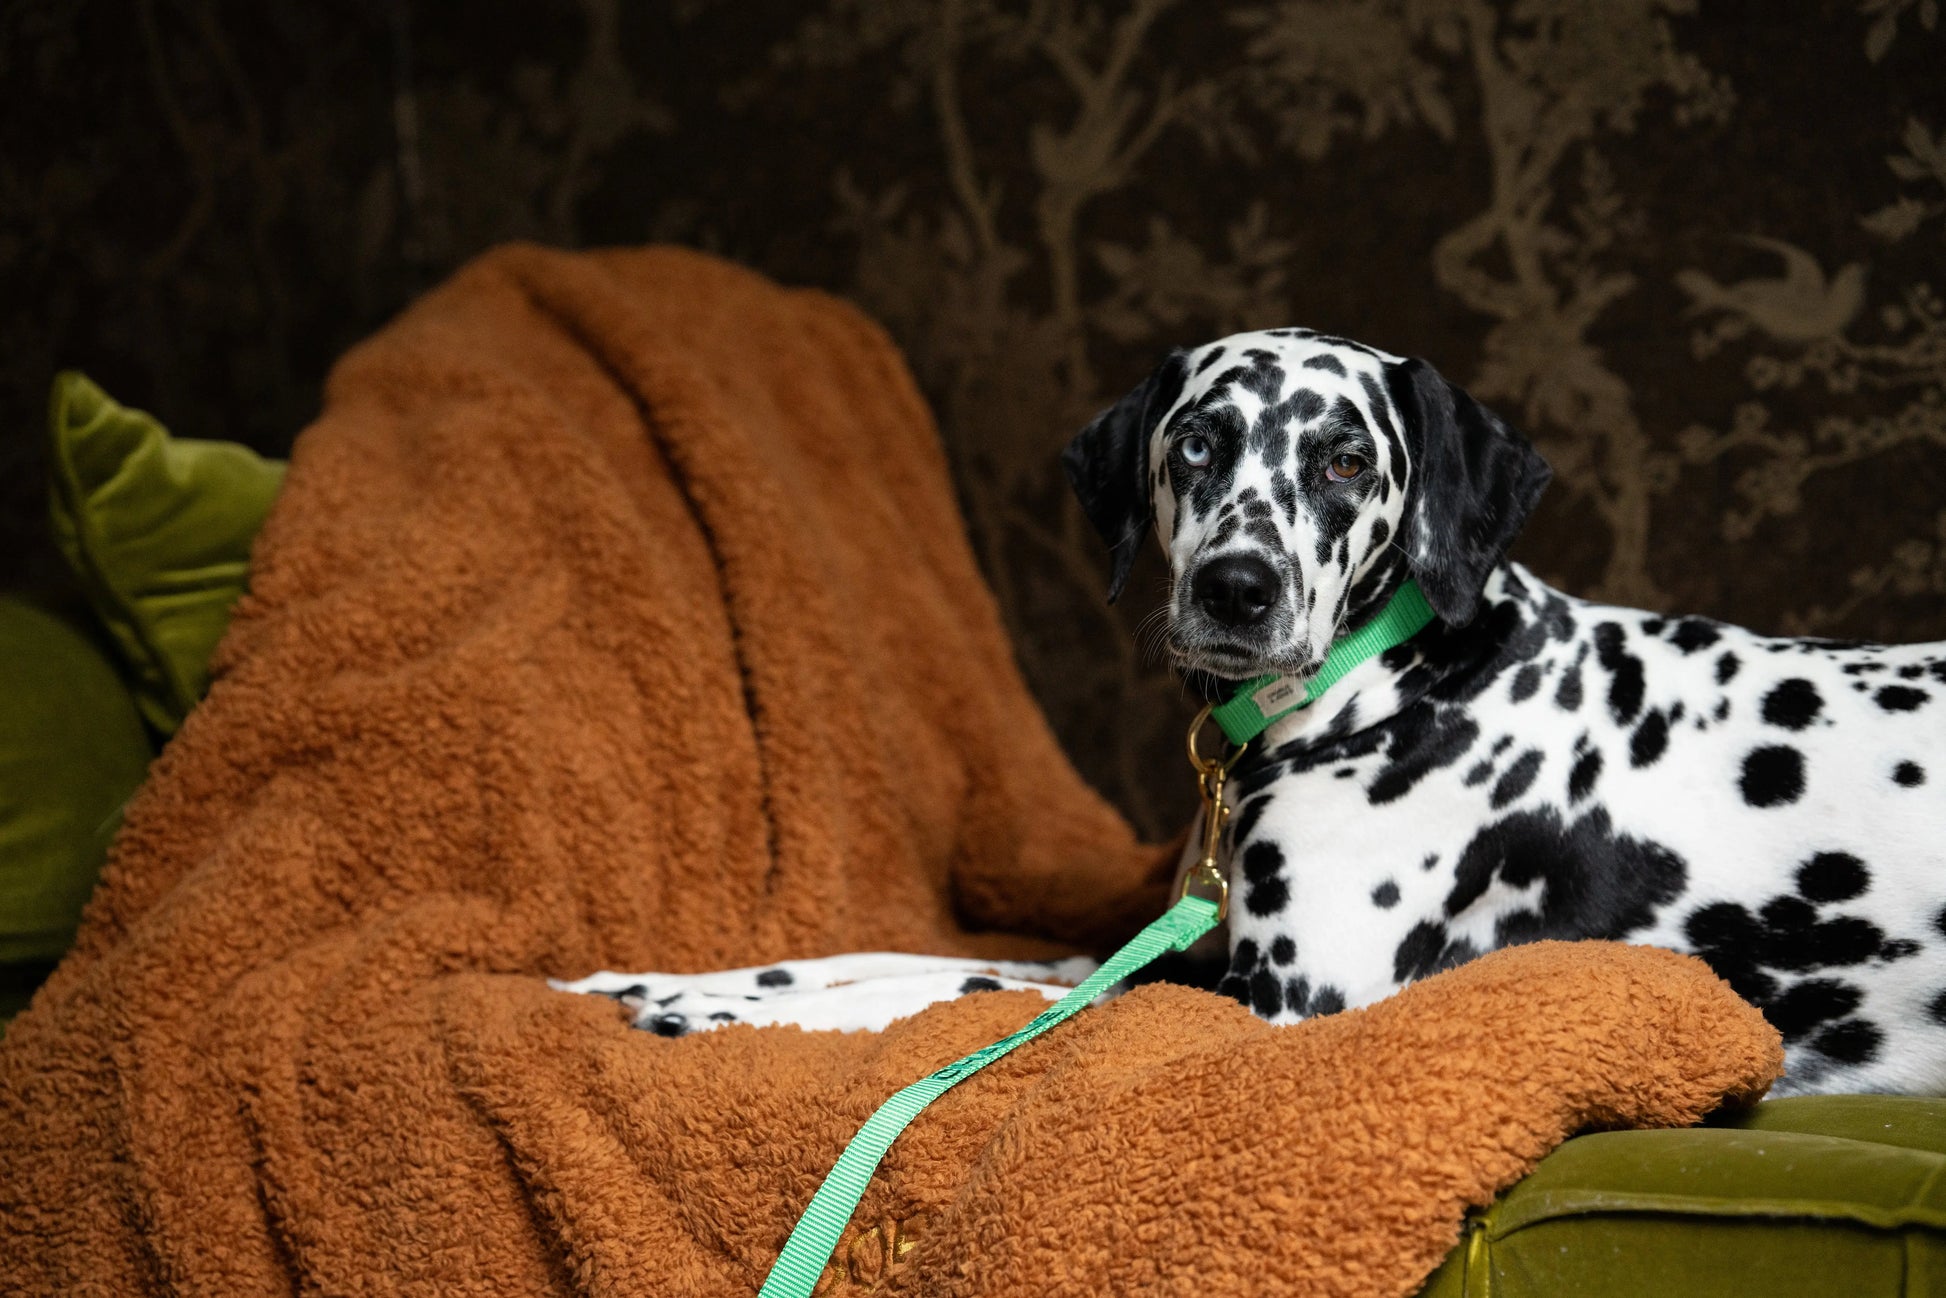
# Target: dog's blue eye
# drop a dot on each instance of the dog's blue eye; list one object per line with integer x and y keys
{"x": 1194, "y": 451}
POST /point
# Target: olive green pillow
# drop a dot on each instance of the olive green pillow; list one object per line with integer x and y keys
{"x": 72, "y": 750}
{"x": 1821, "y": 1195}
{"x": 158, "y": 529}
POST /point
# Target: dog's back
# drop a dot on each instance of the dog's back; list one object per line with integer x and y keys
{"x": 1568, "y": 770}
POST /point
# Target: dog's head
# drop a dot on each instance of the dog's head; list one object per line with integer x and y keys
{"x": 1295, "y": 481}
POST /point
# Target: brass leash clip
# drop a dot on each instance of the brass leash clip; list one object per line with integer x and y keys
{"x": 1211, "y": 772}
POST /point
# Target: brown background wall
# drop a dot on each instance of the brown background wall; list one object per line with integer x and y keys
{"x": 1694, "y": 249}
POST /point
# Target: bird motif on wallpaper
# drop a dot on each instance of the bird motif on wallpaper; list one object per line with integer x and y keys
{"x": 1800, "y": 306}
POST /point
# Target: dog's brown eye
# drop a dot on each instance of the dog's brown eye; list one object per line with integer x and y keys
{"x": 1345, "y": 468}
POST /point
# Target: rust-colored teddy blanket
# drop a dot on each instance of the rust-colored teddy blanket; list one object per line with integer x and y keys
{"x": 617, "y": 615}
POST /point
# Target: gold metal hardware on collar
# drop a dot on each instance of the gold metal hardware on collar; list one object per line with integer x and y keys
{"x": 1211, "y": 773}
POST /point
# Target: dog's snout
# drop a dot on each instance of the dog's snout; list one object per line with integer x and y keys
{"x": 1235, "y": 590}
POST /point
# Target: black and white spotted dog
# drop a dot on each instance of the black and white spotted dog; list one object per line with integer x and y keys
{"x": 1528, "y": 766}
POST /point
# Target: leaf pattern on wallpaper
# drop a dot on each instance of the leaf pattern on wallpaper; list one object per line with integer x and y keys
{"x": 1541, "y": 83}
{"x": 1881, "y": 375}
{"x": 1691, "y": 248}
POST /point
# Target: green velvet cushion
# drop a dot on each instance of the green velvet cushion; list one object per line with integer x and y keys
{"x": 1820, "y": 1195}
{"x": 159, "y": 530}
{"x": 72, "y": 749}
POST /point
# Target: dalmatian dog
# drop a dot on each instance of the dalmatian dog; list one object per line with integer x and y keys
{"x": 1529, "y": 765}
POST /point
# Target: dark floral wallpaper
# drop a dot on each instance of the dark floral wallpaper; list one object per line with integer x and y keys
{"x": 1694, "y": 248}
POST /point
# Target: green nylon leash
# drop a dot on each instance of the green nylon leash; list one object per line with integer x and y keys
{"x": 1260, "y": 703}
{"x": 1255, "y": 706}
{"x": 797, "y": 1268}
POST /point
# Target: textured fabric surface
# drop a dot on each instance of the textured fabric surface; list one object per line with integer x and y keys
{"x": 158, "y": 530}
{"x": 1807, "y": 1196}
{"x": 72, "y": 749}
{"x": 1694, "y": 248}
{"x": 615, "y": 615}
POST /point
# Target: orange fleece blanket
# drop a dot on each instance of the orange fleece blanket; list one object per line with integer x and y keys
{"x": 617, "y": 615}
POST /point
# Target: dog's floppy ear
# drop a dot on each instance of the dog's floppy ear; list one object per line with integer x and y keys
{"x": 1474, "y": 480}
{"x": 1108, "y": 466}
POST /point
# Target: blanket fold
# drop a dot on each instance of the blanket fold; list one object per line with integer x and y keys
{"x": 617, "y": 614}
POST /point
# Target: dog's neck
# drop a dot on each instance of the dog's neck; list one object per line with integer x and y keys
{"x": 1437, "y": 662}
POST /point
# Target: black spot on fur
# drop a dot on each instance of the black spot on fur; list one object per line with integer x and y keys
{"x": 1426, "y": 951}
{"x": 1833, "y": 876}
{"x": 979, "y": 983}
{"x": 1216, "y": 354}
{"x": 1266, "y": 993}
{"x": 1567, "y": 695}
{"x": 775, "y": 978}
{"x": 1693, "y": 633}
{"x": 1732, "y": 942}
{"x": 1244, "y": 959}
{"x": 722, "y": 1016}
{"x": 1900, "y": 698}
{"x": 1386, "y": 895}
{"x": 1909, "y": 774}
{"x": 1792, "y": 704}
{"x": 1518, "y": 778}
{"x": 1263, "y": 870}
{"x": 1329, "y": 364}
{"x": 1424, "y": 739}
{"x": 1899, "y": 948}
{"x": 1247, "y": 817}
{"x": 1625, "y": 672}
{"x": 1937, "y": 1010}
{"x": 1587, "y": 769}
{"x": 1726, "y": 668}
{"x": 1646, "y": 745}
{"x": 1852, "y": 1042}
{"x": 1773, "y": 776}
{"x": 1810, "y": 1003}
{"x": 1595, "y": 882}
{"x": 1526, "y": 681}
{"x": 1284, "y": 492}
{"x": 1786, "y": 935}
{"x": 1325, "y": 1000}
{"x": 1283, "y": 950}
{"x": 1479, "y": 773}
{"x": 1817, "y": 944}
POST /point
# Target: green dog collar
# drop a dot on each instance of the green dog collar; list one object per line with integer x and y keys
{"x": 1258, "y": 704}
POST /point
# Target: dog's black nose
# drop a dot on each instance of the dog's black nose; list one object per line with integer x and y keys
{"x": 1235, "y": 590}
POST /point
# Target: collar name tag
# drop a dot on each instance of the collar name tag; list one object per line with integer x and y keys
{"x": 1284, "y": 692}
